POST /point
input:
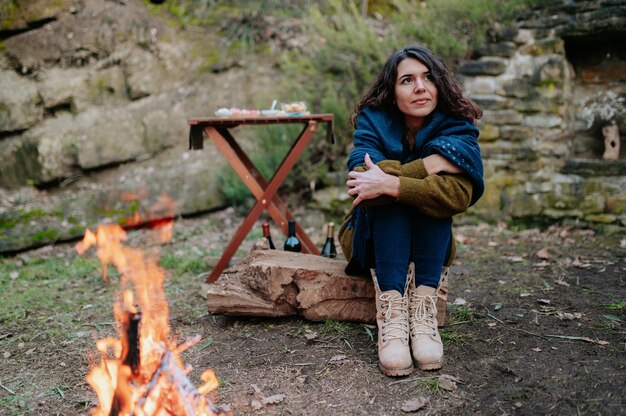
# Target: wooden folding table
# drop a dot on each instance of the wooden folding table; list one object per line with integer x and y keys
{"x": 218, "y": 130}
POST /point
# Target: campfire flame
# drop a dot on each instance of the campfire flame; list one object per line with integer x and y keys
{"x": 141, "y": 373}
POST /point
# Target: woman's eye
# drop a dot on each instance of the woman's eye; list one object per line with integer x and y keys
{"x": 429, "y": 77}
{"x": 406, "y": 81}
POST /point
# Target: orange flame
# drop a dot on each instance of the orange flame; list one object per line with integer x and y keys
{"x": 145, "y": 375}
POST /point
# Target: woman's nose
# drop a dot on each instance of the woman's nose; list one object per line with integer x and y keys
{"x": 419, "y": 85}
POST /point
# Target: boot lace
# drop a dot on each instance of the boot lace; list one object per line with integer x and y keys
{"x": 394, "y": 312}
{"x": 423, "y": 310}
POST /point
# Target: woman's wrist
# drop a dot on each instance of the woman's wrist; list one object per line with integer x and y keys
{"x": 392, "y": 186}
{"x": 431, "y": 165}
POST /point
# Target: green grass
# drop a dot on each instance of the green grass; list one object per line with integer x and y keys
{"x": 431, "y": 385}
{"x": 335, "y": 328}
{"x": 461, "y": 314}
{"x": 44, "y": 294}
{"x": 618, "y": 306}
{"x": 453, "y": 338}
{"x": 180, "y": 264}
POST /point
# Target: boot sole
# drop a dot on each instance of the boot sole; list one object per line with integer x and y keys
{"x": 396, "y": 372}
{"x": 429, "y": 366}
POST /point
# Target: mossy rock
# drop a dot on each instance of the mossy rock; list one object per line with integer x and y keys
{"x": 591, "y": 167}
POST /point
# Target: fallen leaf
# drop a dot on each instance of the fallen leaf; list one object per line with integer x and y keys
{"x": 543, "y": 254}
{"x": 541, "y": 264}
{"x": 310, "y": 335}
{"x": 30, "y": 351}
{"x": 491, "y": 324}
{"x": 339, "y": 359}
{"x": 256, "y": 388}
{"x": 446, "y": 384}
{"x": 276, "y": 398}
{"x": 562, "y": 283}
{"x": 566, "y": 316}
{"x": 537, "y": 349}
{"x": 14, "y": 275}
{"x": 414, "y": 405}
{"x": 514, "y": 259}
{"x": 497, "y": 306}
{"x": 544, "y": 301}
{"x": 580, "y": 264}
{"x": 459, "y": 301}
{"x": 612, "y": 318}
{"x": 524, "y": 295}
{"x": 256, "y": 405}
{"x": 451, "y": 377}
{"x": 492, "y": 244}
{"x": 462, "y": 239}
{"x": 6, "y": 354}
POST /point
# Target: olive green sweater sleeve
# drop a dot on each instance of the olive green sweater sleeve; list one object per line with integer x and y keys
{"x": 438, "y": 196}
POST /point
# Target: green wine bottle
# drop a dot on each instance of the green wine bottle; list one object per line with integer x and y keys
{"x": 292, "y": 243}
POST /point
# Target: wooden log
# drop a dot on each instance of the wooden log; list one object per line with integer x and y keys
{"x": 273, "y": 283}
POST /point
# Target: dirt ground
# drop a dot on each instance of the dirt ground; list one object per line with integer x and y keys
{"x": 536, "y": 327}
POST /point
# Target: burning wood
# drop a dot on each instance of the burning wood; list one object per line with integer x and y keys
{"x": 141, "y": 373}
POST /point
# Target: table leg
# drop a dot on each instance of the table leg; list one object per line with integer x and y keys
{"x": 264, "y": 192}
{"x": 236, "y": 241}
{"x": 253, "y": 179}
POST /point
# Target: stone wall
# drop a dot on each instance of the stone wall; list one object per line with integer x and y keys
{"x": 94, "y": 98}
{"x": 534, "y": 82}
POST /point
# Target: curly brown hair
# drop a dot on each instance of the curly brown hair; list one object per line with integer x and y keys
{"x": 450, "y": 94}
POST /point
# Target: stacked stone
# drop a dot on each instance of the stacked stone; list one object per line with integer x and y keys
{"x": 93, "y": 103}
{"x": 525, "y": 85}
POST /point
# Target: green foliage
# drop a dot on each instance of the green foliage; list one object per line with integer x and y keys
{"x": 345, "y": 52}
{"x": 342, "y": 60}
{"x": 450, "y": 28}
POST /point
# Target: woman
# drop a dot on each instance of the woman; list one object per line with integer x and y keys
{"x": 415, "y": 164}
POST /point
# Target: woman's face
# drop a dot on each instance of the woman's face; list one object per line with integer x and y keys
{"x": 415, "y": 92}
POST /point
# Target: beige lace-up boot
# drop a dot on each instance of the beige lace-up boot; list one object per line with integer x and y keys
{"x": 442, "y": 298}
{"x": 426, "y": 346}
{"x": 394, "y": 354}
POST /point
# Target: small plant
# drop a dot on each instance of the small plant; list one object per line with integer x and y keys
{"x": 606, "y": 112}
{"x": 462, "y": 314}
{"x": 616, "y": 306}
{"x": 432, "y": 385}
{"x": 603, "y": 109}
{"x": 453, "y": 338}
{"x": 335, "y": 328}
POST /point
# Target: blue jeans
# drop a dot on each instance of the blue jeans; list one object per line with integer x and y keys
{"x": 401, "y": 235}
